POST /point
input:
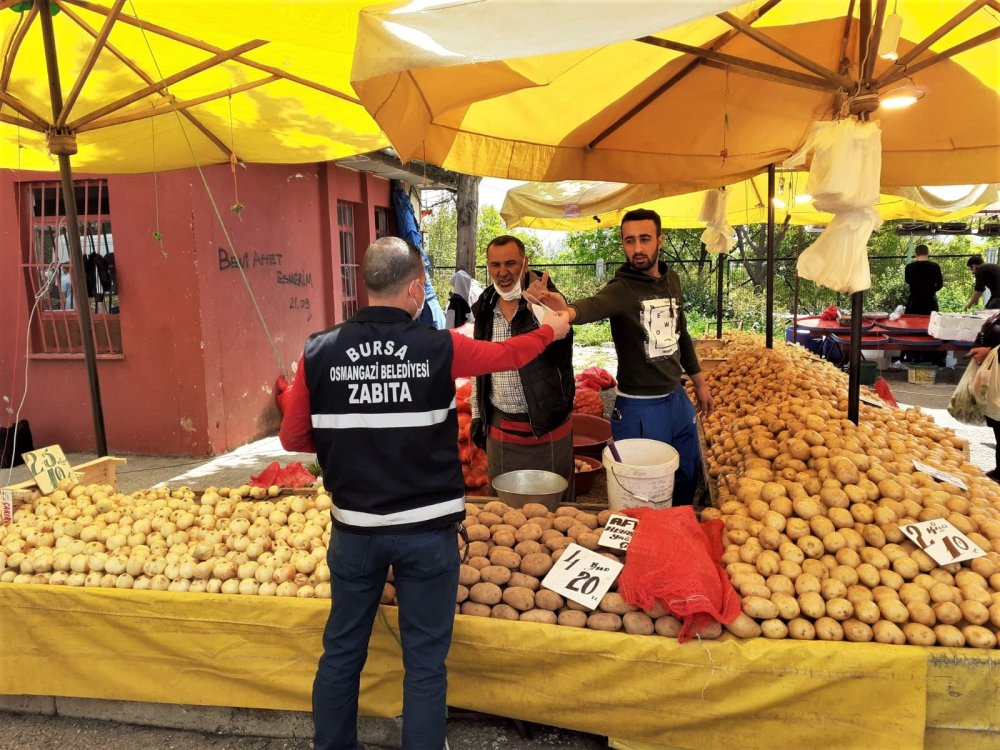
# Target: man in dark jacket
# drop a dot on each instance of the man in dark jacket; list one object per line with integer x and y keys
{"x": 375, "y": 398}
{"x": 924, "y": 278}
{"x": 987, "y": 276}
{"x": 521, "y": 418}
{"x": 646, "y": 307}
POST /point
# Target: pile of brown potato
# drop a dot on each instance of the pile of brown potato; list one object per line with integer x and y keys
{"x": 813, "y": 505}
{"x": 510, "y": 550}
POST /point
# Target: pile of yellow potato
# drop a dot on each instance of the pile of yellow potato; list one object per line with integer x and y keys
{"x": 813, "y": 504}
{"x": 229, "y": 541}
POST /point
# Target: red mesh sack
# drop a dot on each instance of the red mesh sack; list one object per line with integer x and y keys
{"x": 676, "y": 560}
{"x": 885, "y": 392}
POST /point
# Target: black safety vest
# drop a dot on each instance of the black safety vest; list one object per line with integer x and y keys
{"x": 382, "y": 401}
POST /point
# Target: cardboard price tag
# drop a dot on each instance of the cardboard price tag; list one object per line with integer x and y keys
{"x": 6, "y": 507}
{"x": 941, "y": 476}
{"x": 942, "y": 541}
{"x": 48, "y": 466}
{"x": 582, "y": 576}
{"x": 618, "y": 531}
{"x": 871, "y": 401}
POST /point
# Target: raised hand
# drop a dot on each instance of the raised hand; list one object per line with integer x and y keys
{"x": 559, "y": 322}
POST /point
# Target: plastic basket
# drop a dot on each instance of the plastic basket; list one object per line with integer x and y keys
{"x": 921, "y": 373}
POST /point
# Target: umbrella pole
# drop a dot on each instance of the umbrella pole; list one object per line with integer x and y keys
{"x": 718, "y": 296}
{"x": 63, "y": 146}
{"x": 769, "y": 315}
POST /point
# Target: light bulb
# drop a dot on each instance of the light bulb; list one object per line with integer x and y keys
{"x": 804, "y": 198}
{"x": 901, "y": 97}
{"x": 891, "y": 30}
{"x": 778, "y": 203}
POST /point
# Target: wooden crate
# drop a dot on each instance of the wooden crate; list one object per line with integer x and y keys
{"x": 99, "y": 471}
{"x": 710, "y": 363}
{"x": 705, "y": 347}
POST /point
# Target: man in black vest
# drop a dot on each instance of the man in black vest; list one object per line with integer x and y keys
{"x": 521, "y": 418}
{"x": 375, "y": 398}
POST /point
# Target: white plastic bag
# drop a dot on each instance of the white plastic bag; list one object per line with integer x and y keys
{"x": 964, "y": 407}
{"x": 718, "y": 235}
{"x": 986, "y": 385}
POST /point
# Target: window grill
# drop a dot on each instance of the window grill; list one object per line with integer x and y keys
{"x": 348, "y": 260}
{"x": 47, "y": 267}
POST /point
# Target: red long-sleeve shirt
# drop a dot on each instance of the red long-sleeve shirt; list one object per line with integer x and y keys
{"x": 472, "y": 357}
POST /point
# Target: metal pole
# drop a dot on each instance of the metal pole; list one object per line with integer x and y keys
{"x": 770, "y": 258}
{"x": 718, "y": 297}
{"x": 73, "y": 230}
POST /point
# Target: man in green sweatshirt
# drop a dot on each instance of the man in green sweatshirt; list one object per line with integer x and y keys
{"x": 645, "y": 305}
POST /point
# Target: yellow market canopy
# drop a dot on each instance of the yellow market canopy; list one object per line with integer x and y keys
{"x": 643, "y": 92}
{"x": 576, "y": 205}
{"x": 266, "y": 81}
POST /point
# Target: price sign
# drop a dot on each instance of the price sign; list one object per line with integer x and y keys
{"x": 582, "y": 576}
{"x": 871, "y": 401}
{"x": 942, "y": 541}
{"x": 618, "y": 531}
{"x": 6, "y": 507}
{"x": 48, "y": 465}
{"x": 941, "y": 476}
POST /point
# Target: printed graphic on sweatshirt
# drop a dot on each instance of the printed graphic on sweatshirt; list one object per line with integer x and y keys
{"x": 659, "y": 319}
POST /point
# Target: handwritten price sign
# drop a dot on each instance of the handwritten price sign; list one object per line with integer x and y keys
{"x": 582, "y": 576}
{"x": 942, "y": 541}
{"x": 941, "y": 476}
{"x": 48, "y": 465}
{"x": 618, "y": 531}
{"x": 6, "y": 507}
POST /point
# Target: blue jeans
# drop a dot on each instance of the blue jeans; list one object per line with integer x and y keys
{"x": 669, "y": 419}
{"x": 425, "y": 574}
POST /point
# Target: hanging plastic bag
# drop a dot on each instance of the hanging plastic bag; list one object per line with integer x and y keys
{"x": 718, "y": 236}
{"x": 986, "y": 385}
{"x": 964, "y": 407}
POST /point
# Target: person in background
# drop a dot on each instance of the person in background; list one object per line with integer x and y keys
{"x": 924, "y": 278}
{"x": 987, "y": 276}
{"x": 465, "y": 290}
{"x": 646, "y": 307}
{"x": 521, "y": 418}
{"x": 375, "y": 398}
{"x": 988, "y": 339}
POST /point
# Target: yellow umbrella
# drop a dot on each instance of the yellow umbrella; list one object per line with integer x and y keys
{"x": 161, "y": 85}
{"x": 576, "y": 205}
{"x": 551, "y": 91}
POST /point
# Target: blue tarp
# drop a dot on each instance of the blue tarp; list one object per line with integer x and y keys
{"x": 408, "y": 229}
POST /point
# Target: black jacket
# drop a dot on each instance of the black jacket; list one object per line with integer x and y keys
{"x": 548, "y": 381}
{"x": 989, "y": 334}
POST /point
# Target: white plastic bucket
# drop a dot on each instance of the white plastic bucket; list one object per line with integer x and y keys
{"x": 645, "y": 476}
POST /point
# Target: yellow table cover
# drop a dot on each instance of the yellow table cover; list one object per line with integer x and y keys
{"x": 205, "y": 649}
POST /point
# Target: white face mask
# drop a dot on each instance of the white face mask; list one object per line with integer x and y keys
{"x": 515, "y": 291}
{"x": 420, "y": 307}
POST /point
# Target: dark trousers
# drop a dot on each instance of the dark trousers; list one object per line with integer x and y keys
{"x": 425, "y": 574}
{"x": 996, "y": 440}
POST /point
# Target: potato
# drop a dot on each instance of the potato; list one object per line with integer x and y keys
{"x": 467, "y": 575}
{"x": 979, "y": 637}
{"x": 790, "y": 552}
{"x": 515, "y": 518}
{"x": 828, "y": 629}
{"x": 795, "y": 528}
{"x": 891, "y": 579}
{"x": 805, "y": 508}
{"x": 524, "y": 580}
{"x": 562, "y": 524}
{"x": 760, "y": 608}
{"x": 839, "y": 609}
{"x": 508, "y": 558}
{"x": 489, "y": 519}
{"x": 567, "y": 511}
{"x": 534, "y": 510}
{"x": 528, "y": 547}
{"x": 478, "y": 563}
{"x": 921, "y": 613}
{"x": 832, "y": 588}
{"x": 942, "y": 592}
{"x": 477, "y": 532}
{"x": 857, "y": 631}
{"x": 812, "y": 605}
{"x": 807, "y": 582}
{"x": 801, "y": 630}
{"x": 605, "y": 621}
{"x": 906, "y": 567}
{"x": 519, "y": 598}
{"x": 790, "y": 570}
{"x": 846, "y": 574}
{"x": 975, "y": 613}
{"x": 543, "y": 616}
{"x": 867, "y": 612}
{"x": 888, "y": 632}
{"x": 788, "y": 606}
{"x": 485, "y": 593}
{"x": 504, "y": 612}
{"x": 893, "y": 610}
{"x": 775, "y": 629}
{"x": 637, "y": 623}
{"x": 918, "y": 634}
{"x": 949, "y": 635}
{"x": 947, "y": 613}
{"x": 462, "y": 594}
{"x": 479, "y": 549}
{"x": 743, "y": 626}
{"x": 496, "y": 507}
{"x": 875, "y": 558}
{"x": 537, "y": 564}
{"x": 529, "y": 532}
{"x": 914, "y": 592}
{"x": 873, "y": 535}
{"x": 667, "y": 626}
{"x": 572, "y": 618}
{"x": 779, "y": 584}
{"x": 614, "y": 603}
{"x": 974, "y": 593}
{"x": 495, "y": 574}
{"x": 545, "y": 599}
{"x": 868, "y": 575}
{"x": 476, "y": 609}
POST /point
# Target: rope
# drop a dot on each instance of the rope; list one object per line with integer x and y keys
{"x": 215, "y": 206}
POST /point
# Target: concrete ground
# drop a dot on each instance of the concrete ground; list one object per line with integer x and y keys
{"x": 83, "y": 725}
